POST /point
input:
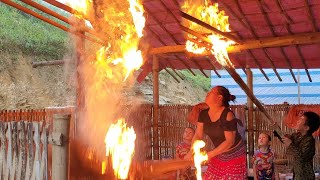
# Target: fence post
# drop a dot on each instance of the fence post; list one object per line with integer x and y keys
{"x": 60, "y": 141}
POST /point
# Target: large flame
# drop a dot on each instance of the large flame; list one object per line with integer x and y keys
{"x": 104, "y": 71}
{"x": 123, "y": 50}
{"x": 81, "y": 7}
{"x": 211, "y": 15}
{"x": 199, "y": 156}
{"x": 120, "y": 145}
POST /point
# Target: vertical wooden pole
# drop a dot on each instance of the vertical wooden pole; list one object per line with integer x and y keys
{"x": 250, "y": 115}
{"x": 61, "y": 124}
{"x": 80, "y": 54}
{"x": 155, "y": 73}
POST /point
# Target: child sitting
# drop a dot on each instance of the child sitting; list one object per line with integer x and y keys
{"x": 184, "y": 147}
{"x": 301, "y": 145}
{"x": 263, "y": 167}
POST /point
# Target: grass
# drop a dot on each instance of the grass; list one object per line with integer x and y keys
{"x": 198, "y": 80}
{"x": 24, "y": 33}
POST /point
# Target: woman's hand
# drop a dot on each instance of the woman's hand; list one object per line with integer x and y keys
{"x": 286, "y": 141}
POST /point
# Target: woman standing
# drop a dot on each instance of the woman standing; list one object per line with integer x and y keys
{"x": 228, "y": 159}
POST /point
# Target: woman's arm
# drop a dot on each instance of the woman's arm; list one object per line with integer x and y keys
{"x": 227, "y": 144}
{"x": 199, "y": 132}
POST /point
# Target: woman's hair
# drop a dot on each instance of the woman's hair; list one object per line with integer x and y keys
{"x": 226, "y": 95}
{"x": 313, "y": 121}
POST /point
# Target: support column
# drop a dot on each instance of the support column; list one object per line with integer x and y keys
{"x": 60, "y": 149}
{"x": 80, "y": 91}
{"x": 250, "y": 133}
{"x": 155, "y": 74}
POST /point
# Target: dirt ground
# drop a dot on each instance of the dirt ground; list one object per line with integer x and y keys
{"x": 25, "y": 87}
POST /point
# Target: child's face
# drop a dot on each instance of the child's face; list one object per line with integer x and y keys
{"x": 263, "y": 140}
{"x": 301, "y": 125}
{"x": 188, "y": 134}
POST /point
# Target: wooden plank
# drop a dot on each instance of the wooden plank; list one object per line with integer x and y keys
{"x": 303, "y": 38}
{"x": 9, "y": 152}
{"x": 47, "y": 20}
{"x": 14, "y": 167}
{"x": 30, "y": 154}
{"x": 3, "y": 160}
{"x": 37, "y": 157}
{"x": 22, "y": 152}
{"x": 44, "y": 156}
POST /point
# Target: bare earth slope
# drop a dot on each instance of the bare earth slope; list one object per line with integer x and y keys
{"x": 24, "y": 87}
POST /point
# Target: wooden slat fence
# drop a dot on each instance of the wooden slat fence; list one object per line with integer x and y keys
{"x": 24, "y": 150}
{"x": 24, "y": 147}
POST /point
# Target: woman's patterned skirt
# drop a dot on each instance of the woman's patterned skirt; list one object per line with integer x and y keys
{"x": 230, "y": 165}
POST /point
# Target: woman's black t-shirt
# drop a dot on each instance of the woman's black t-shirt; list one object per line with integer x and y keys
{"x": 215, "y": 130}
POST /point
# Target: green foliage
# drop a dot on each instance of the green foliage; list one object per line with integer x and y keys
{"x": 198, "y": 80}
{"x": 20, "y": 32}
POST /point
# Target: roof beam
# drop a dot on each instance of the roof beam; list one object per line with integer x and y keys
{"x": 296, "y": 47}
{"x": 58, "y": 16}
{"x": 256, "y": 37}
{"x": 310, "y": 16}
{"x": 209, "y": 27}
{"x": 213, "y": 66}
{"x": 305, "y": 38}
{"x": 47, "y": 20}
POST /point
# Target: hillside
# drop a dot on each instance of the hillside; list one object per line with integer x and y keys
{"x": 24, "y": 39}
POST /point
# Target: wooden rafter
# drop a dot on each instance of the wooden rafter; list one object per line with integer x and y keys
{"x": 245, "y": 25}
{"x": 163, "y": 43}
{"x": 174, "y": 69}
{"x": 298, "y": 50}
{"x": 209, "y": 27}
{"x": 177, "y": 21}
{"x": 213, "y": 66}
{"x": 47, "y": 20}
{"x": 199, "y": 66}
{"x": 283, "y": 13}
{"x": 58, "y": 16}
{"x": 268, "y": 21}
{"x": 310, "y": 17}
{"x": 172, "y": 37}
{"x": 170, "y": 73}
{"x": 256, "y": 37}
{"x": 304, "y": 38}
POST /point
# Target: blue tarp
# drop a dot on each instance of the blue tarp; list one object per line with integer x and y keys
{"x": 274, "y": 91}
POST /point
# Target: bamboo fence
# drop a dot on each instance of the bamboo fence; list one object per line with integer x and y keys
{"x": 24, "y": 146}
{"x": 23, "y": 149}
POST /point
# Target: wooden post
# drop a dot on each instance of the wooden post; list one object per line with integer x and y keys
{"x": 60, "y": 146}
{"x": 80, "y": 92}
{"x": 155, "y": 73}
{"x": 250, "y": 138}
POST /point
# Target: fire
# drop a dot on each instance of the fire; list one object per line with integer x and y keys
{"x": 104, "y": 71}
{"x": 81, "y": 7}
{"x": 120, "y": 145}
{"x": 123, "y": 50}
{"x": 199, "y": 156}
{"x": 211, "y": 15}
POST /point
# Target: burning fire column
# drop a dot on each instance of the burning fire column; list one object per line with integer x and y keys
{"x": 120, "y": 141}
{"x": 199, "y": 157}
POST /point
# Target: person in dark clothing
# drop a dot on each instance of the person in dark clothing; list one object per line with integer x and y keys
{"x": 301, "y": 145}
{"x": 228, "y": 159}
